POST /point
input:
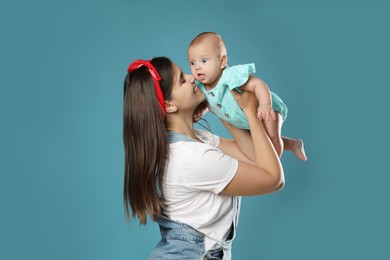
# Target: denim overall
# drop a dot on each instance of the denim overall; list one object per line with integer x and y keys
{"x": 180, "y": 241}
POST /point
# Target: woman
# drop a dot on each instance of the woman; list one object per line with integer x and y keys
{"x": 188, "y": 180}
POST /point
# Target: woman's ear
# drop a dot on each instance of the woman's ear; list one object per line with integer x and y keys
{"x": 170, "y": 107}
{"x": 223, "y": 61}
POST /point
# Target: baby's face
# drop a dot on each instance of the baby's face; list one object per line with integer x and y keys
{"x": 205, "y": 63}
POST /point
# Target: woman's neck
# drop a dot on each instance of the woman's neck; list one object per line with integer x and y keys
{"x": 183, "y": 127}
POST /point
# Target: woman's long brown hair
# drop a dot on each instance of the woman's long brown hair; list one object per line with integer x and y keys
{"x": 145, "y": 140}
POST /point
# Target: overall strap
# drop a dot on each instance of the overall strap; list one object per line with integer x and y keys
{"x": 174, "y": 137}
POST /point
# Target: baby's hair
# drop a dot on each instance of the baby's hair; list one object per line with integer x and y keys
{"x": 213, "y": 36}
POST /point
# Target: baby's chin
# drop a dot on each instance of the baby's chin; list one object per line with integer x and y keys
{"x": 203, "y": 81}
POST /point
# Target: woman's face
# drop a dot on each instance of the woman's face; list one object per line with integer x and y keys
{"x": 185, "y": 95}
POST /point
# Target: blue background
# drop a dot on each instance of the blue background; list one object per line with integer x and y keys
{"x": 62, "y": 65}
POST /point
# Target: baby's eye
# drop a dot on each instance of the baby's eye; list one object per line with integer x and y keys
{"x": 192, "y": 63}
{"x": 204, "y": 60}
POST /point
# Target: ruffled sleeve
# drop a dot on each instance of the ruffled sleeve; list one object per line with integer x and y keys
{"x": 238, "y": 75}
{"x": 198, "y": 83}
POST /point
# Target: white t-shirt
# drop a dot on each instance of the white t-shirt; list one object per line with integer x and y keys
{"x": 196, "y": 173}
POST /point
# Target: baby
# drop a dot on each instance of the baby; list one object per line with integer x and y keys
{"x": 207, "y": 57}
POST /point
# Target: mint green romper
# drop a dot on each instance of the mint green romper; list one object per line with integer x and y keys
{"x": 222, "y": 102}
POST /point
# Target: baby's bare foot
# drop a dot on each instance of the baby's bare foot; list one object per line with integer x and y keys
{"x": 299, "y": 150}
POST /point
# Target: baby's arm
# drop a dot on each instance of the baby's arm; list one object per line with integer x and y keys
{"x": 200, "y": 111}
{"x": 263, "y": 94}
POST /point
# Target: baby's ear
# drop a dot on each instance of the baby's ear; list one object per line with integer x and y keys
{"x": 223, "y": 61}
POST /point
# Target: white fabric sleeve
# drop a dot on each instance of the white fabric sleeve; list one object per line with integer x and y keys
{"x": 211, "y": 169}
{"x": 208, "y": 137}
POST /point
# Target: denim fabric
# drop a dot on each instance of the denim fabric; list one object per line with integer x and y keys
{"x": 180, "y": 241}
{"x": 220, "y": 251}
{"x": 174, "y": 137}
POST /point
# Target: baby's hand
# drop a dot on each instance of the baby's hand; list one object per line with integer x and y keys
{"x": 200, "y": 111}
{"x": 265, "y": 112}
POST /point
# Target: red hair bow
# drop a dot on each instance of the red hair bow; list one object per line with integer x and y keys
{"x": 155, "y": 76}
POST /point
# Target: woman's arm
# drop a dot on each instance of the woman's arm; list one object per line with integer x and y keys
{"x": 232, "y": 148}
{"x": 266, "y": 175}
{"x": 243, "y": 141}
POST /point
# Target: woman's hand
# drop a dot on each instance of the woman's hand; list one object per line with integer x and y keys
{"x": 246, "y": 100}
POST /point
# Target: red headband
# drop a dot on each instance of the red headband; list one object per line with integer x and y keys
{"x": 156, "y": 77}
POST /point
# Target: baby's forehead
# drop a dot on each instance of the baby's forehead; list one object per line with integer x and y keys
{"x": 202, "y": 51}
{"x": 207, "y": 46}
{"x": 209, "y": 39}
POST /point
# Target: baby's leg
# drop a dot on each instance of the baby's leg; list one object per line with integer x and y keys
{"x": 281, "y": 143}
{"x": 274, "y": 128}
{"x": 296, "y": 146}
